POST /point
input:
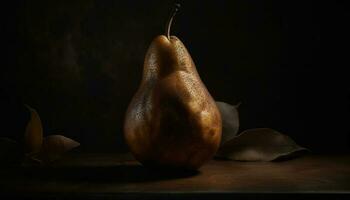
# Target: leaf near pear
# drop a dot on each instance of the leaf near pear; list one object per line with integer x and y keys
{"x": 260, "y": 144}
{"x": 10, "y": 151}
{"x": 230, "y": 120}
{"x": 54, "y": 147}
{"x": 33, "y": 135}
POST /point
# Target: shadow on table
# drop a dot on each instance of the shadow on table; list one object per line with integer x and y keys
{"x": 111, "y": 174}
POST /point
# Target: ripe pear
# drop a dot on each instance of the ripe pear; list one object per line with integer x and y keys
{"x": 172, "y": 120}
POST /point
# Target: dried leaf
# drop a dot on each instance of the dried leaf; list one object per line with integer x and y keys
{"x": 230, "y": 121}
{"x": 33, "y": 135}
{"x": 261, "y": 144}
{"x": 54, "y": 146}
{"x": 31, "y": 160}
{"x": 10, "y": 151}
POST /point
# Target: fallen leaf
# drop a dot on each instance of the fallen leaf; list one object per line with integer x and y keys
{"x": 54, "y": 146}
{"x": 31, "y": 160}
{"x": 230, "y": 120}
{"x": 261, "y": 144}
{"x": 10, "y": 151}
{"x": 33, "y": 135}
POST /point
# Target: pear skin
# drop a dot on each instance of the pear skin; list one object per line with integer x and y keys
{"x": 172, "y": 120}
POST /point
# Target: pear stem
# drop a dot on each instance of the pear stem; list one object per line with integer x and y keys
{"x": 170, "y": 21}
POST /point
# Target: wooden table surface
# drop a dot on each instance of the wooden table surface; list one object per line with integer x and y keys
{"x": 106, "y": 176}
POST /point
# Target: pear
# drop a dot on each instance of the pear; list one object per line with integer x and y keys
{"x": 172, "y": 120}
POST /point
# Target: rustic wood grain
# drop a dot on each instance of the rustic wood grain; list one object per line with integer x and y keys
{"x": 101, "y": 175}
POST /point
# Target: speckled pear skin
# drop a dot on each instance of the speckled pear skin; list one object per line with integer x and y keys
{"x": 172, "y": 120}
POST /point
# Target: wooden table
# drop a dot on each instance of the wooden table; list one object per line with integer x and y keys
{"x": 106, "y": 176}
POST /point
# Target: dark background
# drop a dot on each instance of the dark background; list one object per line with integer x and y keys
{"x": 78, "y": 63}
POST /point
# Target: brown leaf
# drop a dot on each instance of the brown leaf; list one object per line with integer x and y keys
{"x": 10, "y": 151}
{"x": 230, "y": 121}
{"x": 261, "y": 144}
{"x": 33, "y": 135}
{"x": 54, "y": 146}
